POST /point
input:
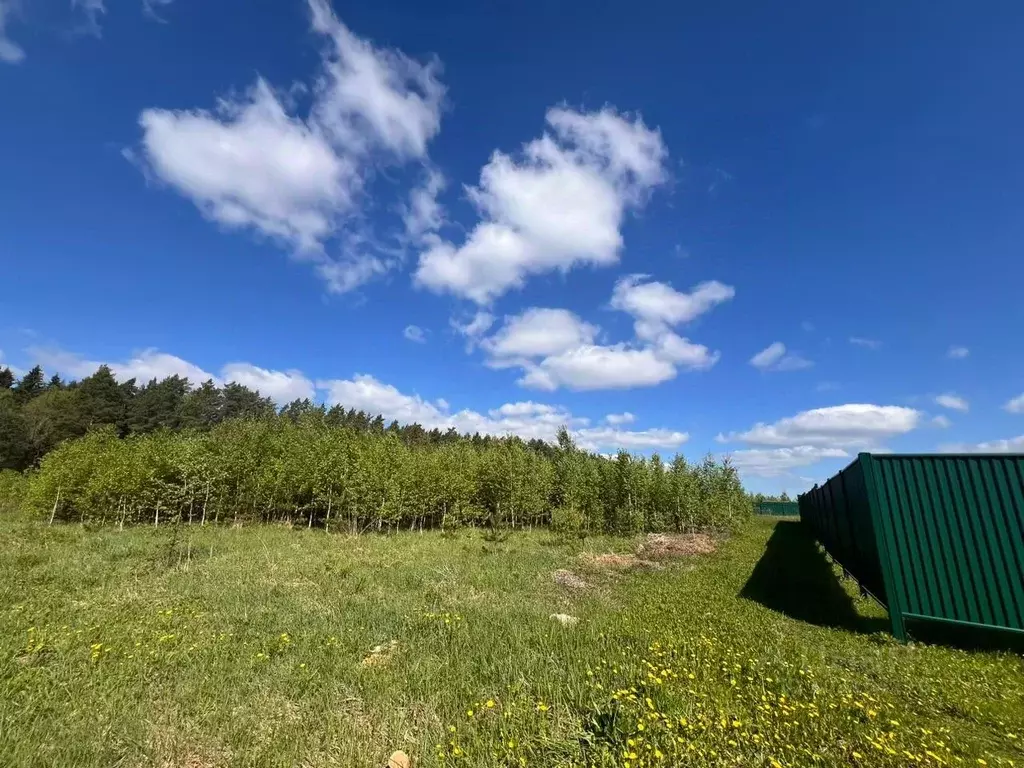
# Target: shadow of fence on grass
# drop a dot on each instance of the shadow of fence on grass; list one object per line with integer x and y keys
{"x": 794, "y": 578}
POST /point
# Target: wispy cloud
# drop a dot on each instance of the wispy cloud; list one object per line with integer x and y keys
{"x": 10, "y": 51}
{"x": 953, "y": 402}
{"x": 415, "y": 333}
{"x": 775, "y": 358}
{"x": 150, "y": 8}
{"x": 1008, "y": 445}
{"x": 957, "y": 353}
{"x": 91, "y": 10}
{"x": 860, "y": 341}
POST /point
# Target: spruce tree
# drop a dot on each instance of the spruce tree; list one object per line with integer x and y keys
{"x": 104, "y": 400}
{"x": 202, "y": 407}
{"x": 30, "y": 386}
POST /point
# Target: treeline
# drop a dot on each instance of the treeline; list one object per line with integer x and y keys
{"x": 37, "y": 415}
{"x": 243, "y": 461}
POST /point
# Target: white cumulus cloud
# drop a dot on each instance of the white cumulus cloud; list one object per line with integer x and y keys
{"x": 560, "y": 205}
{"x": 537, "y": 332}
{"x": 280, "y": 386}
{"x": 617, "y": 419}
{"x": 853, "y": 425}
{"x": 555, "y": 348}
{"x": 251, "y": 163}
{"x": 528, "y": 420}
{"x": 145, "y": 365}
{"x": 773, "y": 462}
{"x": 655, "y": 302}
{"x": 953, "y": 402}
{"x": 957, "y": 353}
{"x": 591, "y": 366}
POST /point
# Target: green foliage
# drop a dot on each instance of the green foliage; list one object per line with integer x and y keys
{"x": 14, "y": 445}
{"x": 30, "y": 385}
{"x": 569, "y": 521}
{"x": 165, "y": 451}
{"x": 53, "y": 417}
{"x": 104, "y": 400}
{"x": 13, "y": 486}
{"x": 158, "y": 405}
{"x": 303, "y": 470}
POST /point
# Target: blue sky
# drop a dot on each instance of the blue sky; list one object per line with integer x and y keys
{"x": 788, "y": 234}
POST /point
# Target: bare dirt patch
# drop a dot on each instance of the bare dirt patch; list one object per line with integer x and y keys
{"x": 616, "y": 562}
{"x": 569, "y": 580}
{"x": 381, "y": 655}
{"x": 661, "y": 546}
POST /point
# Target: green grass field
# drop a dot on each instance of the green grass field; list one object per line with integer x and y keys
{"x": 207, "y": 647}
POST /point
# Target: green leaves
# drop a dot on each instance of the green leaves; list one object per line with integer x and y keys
{"x": 304, "y": 471}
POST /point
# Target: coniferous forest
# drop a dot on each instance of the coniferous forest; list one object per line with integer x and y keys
{"x": 103, "y": 451}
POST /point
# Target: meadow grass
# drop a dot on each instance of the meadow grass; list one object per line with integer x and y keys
{"x": 193, "y": 647}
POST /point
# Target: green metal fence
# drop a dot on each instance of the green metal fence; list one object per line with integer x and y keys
{"x": 935, "y": 538}
{"x": 777, "y": 508}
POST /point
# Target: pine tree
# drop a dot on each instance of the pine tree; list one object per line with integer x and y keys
{"x": 202, "y": 407}
{"x": 6, "y": 378}
{"x": 30, "y": 386}
{"x": 242, "y": 402}
{"x": 158, "y": 404}
{"x": 104, "y": 401}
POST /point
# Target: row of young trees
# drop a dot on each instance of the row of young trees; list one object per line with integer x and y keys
{"x": 306, "y": 472}
{"x": 105, "y": 451}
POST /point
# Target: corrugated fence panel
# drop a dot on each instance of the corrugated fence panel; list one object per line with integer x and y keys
{"x": 936, "y": 538}
{"x": 839, "y": 515}
{"x": 957, "y": 528}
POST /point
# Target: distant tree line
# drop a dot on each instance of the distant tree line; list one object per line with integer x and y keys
{"x": 110, "y": 452}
